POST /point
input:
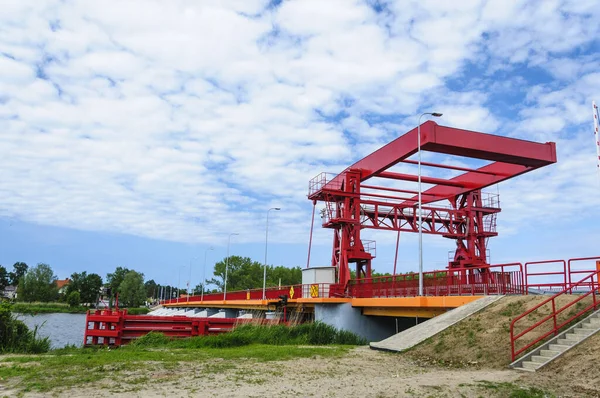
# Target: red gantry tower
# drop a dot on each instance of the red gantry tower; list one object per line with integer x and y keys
{"x": 354, "y": 200}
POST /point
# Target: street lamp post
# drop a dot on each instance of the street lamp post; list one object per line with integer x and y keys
{"x": 434, "y": 114}
{"x": 227, "y": 265}
{"x": 189, "y": 283}
{"x": 264, "y": 296}
{"x": 179, "y": 282}
{"x": 204, "y": 273}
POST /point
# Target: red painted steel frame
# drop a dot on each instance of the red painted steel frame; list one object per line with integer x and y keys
{"x": 590, "y": 283}
{"x": 585, "y": 272}
{"x": 115, "y": 328}
{"x": 547, "y": 285}
{"x": 470, "y": 219}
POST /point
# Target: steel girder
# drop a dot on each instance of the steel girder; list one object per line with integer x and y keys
{"x": 469, "y": 219}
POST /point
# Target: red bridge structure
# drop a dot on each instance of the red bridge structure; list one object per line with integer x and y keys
{"x": 376, "y": 193}
{"x": 354, "y": 200}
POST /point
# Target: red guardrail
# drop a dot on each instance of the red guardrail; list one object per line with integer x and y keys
{"x": 585, "y": 272}
{"x": 314, "y": 290}
{"x": 546, "y": 285}
{"x": 497, "y": 279}
{"x": 510, "y": 278}
{"x": 116, "y": 327}
{"x": 590, "y": 281}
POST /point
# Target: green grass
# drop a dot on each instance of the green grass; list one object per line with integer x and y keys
{"x": 316, "y": 333}
{"x": 72, "y": 366}
{"x": 138, "y": 311}
{"x": 52, "y": 308}
{"x": 69, "y": 367}
{"x": 46, "y": 308}
{"x": 511, "y": 390}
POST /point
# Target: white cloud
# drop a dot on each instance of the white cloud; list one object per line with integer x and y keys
{"x": 149, "y": 117}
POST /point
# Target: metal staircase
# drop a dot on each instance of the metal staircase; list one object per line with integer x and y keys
{"x": 558, "y": 345}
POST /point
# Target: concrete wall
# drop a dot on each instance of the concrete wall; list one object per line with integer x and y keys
{"x": 372, "y": 328}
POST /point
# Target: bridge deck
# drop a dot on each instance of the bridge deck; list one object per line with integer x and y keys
{"x": 423, "y": 307}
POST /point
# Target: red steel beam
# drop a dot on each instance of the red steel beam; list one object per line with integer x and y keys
{"x": 424, "y": 179}
{"x": 511, "y": 157}
{"x": 458, "y": 142}
{"x": 390, "y": 189}
{"x": 444, "y": 166}
{"x": 496, "y": 173}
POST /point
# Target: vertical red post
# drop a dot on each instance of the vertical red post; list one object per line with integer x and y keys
{"x": 312, "y": 224}
{"x": 554, "y": 316}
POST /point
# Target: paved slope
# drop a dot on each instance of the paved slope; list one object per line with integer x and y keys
{"x": 413, "y": 336}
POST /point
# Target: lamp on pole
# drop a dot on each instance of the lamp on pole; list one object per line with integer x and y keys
{"x": 227, "y": 266}
{"x": 204, "y": 273}
{"x": 434, "y": 114}
{"x": 189, "y": 283}
{"x": 179, "y": 282}
{"x": 264, "y": 297}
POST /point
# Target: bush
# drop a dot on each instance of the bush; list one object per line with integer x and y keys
{"x": 316, "y": 333}
{"x": 137, "y": 311}
{"x": 73, "y": 299}
{"x": 15, "y": 336}
{"x": 152, "y": 339}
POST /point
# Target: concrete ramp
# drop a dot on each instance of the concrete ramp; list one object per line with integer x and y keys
{"x": 416, "y": 334}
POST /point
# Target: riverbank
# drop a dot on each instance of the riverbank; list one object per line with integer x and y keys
{"x": 305, "y": 360}
{"x": 61, "y": 308}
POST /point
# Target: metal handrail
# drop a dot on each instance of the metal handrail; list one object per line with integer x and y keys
{"x": 553, "y": 315}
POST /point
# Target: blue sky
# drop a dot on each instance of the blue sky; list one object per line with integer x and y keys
{"x": 142, "y": 133}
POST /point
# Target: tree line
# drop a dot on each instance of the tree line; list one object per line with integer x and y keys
{"x": 38, "y": 283}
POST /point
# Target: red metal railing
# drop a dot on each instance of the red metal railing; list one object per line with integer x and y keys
{"x": 314, "y": 290}
{"x": 114, "y": 327}
{"x": 511, "y": 278}
{"x": 590, "y": 283}
{"x": 559, "y": 284}
{"x": 559, "y": 279}
{"x": 579, "y": 272}
{"x": 498, "y": 279}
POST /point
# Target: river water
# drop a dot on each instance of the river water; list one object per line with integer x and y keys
{"x": 63, "y": 329}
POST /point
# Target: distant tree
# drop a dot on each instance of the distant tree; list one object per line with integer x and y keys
{"x": 88, "y": 286}
{"x": 287, "y": 276}
{"x": 19, "y": 270}
{"x": 132, "y": 292}
{"x": 198, "y": 289}
{"x": 114, "y": 280}
{"x": 91, "y": 288}
{"x": 374, "y": 274}
{"x": 74, "y": 299}
{"x": 4, "y": 277}
{"x": 150, "y": 288}
{"x": 38, "y": 284}
{"x": 242, "y": 273}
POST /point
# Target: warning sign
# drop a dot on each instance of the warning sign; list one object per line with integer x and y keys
{"x": 292, "y": 292}
{"x": 314, "y": 291}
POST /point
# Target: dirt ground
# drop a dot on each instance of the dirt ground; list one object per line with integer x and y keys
{"x": 469, "y": 359}
{"x": 360, "y": 373}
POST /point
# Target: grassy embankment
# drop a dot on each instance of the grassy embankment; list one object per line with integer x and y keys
{"x": 483, "y": 339}
{"x": 155, "y": 354}
{"x": 51, "y": 308}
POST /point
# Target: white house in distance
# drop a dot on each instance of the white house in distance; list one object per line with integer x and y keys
{"x": 10, "y": 292}
{"x": 61, "y": 284}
